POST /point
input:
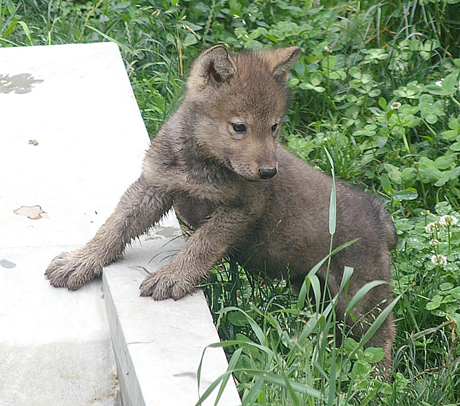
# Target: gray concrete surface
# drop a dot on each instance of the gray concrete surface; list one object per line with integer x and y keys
{"x": 159, "y": 344}
{"x": 71, "y": 141}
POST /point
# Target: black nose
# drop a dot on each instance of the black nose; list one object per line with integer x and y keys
{"x": 267, "y": 173}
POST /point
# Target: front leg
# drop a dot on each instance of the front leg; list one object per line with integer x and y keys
{"x": 201, "y": 251}
{"x": 139, "y": 208}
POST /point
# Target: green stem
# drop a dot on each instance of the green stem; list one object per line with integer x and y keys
{"x": 406, "y": 143}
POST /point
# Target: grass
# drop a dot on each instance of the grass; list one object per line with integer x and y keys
{"x": 378, "y": 87}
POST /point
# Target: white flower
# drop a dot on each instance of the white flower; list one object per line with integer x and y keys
{"x": 434, "y": 242}
{"x": 425, "y": 212}
{"x": 439, "y": 82}
{"x": 447, "y": 221}
{"x": 328, "y": 49}
{"x": 439, "y": 260}
{"x": 395, "y": 106}
{"x": 432, "y": 228}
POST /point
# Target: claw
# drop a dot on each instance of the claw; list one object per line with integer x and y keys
{"x": 165, "y": 284}
{"x": 69, "y": 270}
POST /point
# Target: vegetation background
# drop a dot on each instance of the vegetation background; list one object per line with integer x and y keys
{"x": 375, "y": 98}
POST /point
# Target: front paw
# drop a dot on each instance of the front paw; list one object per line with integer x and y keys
{"x": 166, "y": 283}
{"x": 71, "y": 270}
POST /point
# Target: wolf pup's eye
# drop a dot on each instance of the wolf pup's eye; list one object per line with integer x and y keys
{"x": 274, "y": 127}
{"x": 239, "y": 128}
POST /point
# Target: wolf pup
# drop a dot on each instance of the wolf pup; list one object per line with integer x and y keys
{"x": 218, "y": 161}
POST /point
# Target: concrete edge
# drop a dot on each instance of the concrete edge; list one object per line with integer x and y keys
{"x": 130, "y": 390}
{"x": 158, "y": 344}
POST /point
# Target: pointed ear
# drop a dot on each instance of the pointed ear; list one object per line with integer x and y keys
{"x": 281, "y": 60}
{"x": 214, "y": 66}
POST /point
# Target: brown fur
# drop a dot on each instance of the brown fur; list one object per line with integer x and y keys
{"x": 221, "y": 180}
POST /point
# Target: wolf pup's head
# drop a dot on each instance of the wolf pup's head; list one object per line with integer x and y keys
{"x": 239, "y": 101}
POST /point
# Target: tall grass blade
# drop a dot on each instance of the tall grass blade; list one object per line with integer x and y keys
{"x": 361, "y": 293}
{"x": 335, "y": 251}
{"x": 26, "y": 31}
{"x": 333, "y": 199}
{"x": 255, "y": 327}
{"x": 378, "y": 322}
{"x": 253, "y": 394}
{"x": 231, "y": 366}
{"x": 290, "y": 389}
{"x": 108, "y": 38}
{"x": 332, "y": 380}
{"x": 280, "y": 381}
{"x": 347, "y": 273}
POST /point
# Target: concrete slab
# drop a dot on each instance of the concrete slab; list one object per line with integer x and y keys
{"x": 159, "y": 344}
{"x": 71, "y": 141}
{"x": 55, "y": 347}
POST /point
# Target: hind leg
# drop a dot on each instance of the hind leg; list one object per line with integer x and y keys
{"x": 365, "y": 314}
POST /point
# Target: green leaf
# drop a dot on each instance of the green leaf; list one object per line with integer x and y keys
{"x": 450, "y": 83}
{"x": 374, "y": 355}
{"x": 416, "y": 242}
{"x": 121, "y": 6}
{"x": 436, "y": 90}
{"x": 257, "y": 33}
{"x": 238, "y": 319}
{"x": 408, "y": 174}
{"x": 299, "y": 68}
{"x": 360, "y": 370}
{"x": 338, "y": 75}
{"x": 443, "y": 208}
{"x": 431, "y": 118}
{"x": 393, "y": 173}
{"x": 454, "y": 123}
{"x": 447, "y": 176}
{"x": 404, "y": 195}
{"x": 386, "y": 184}
{"x": 189, "y": 40}
{"x": 428, "y": 171}
{"x": 432, "y": 305}
{"x": 355, "y": 72}
{"x": 449, "y": 134}
{"x": 316, "y": 79}
{"x": 444, "y": 162}
{"x": 455, "y": 146}
{"x": 329, "y": 62}
{"x": 11, "y": 7}
{"x": 308, "y": 86}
